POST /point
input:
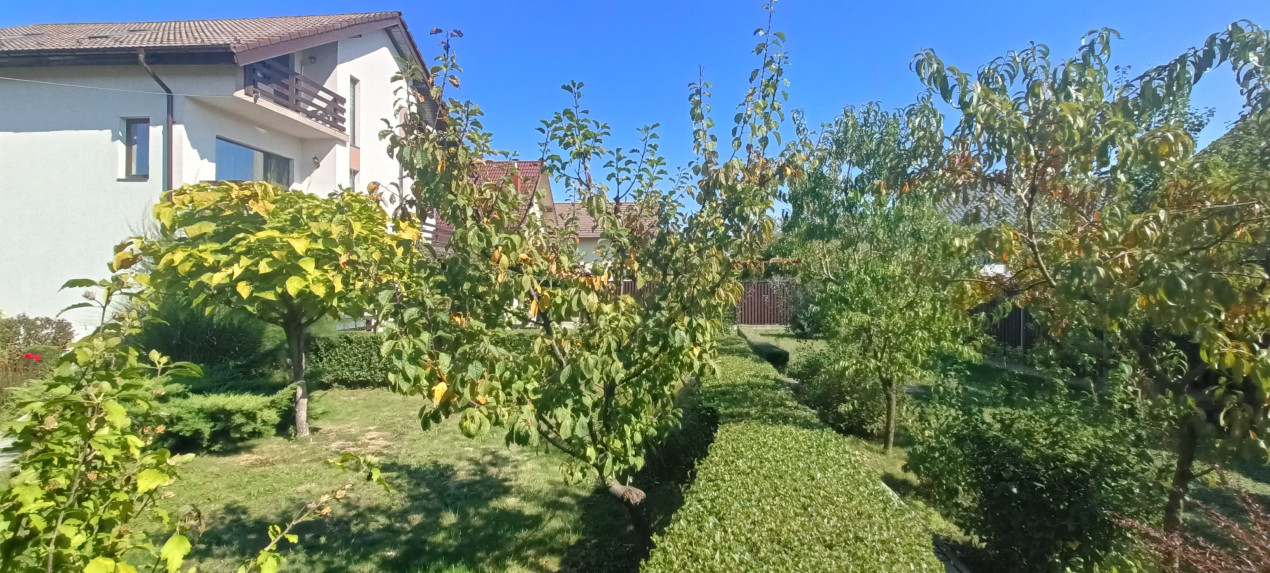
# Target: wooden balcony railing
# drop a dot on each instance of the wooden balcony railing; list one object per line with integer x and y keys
{"x": 274, "y": 82}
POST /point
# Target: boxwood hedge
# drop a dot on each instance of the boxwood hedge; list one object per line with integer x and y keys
{"x": 780, "y": 491}
{"x": 350, "y": 359}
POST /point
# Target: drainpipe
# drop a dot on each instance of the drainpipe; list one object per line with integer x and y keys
{"x": 167, "y": 128}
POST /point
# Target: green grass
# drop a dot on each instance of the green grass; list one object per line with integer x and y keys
{"x": 766, "y": 338}
{"x": 457, "y": 504}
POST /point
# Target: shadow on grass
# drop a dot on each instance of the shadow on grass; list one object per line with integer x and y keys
{"x": 777, "y": 356}
{"x": 467, "y": 518}
{"x": 608, "y": 543}
{"x": 442, "y": 519}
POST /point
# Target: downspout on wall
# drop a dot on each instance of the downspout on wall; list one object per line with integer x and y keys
{"x": 167, "y": 127}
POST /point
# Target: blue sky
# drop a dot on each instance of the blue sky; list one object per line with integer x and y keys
{"x": 637, "y": 58}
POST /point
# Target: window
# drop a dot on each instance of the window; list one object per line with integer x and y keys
{"x": 352, "y": 179}
{"x": 354, "y": 86}
{"x": 237, "y": 162}
{"x": 136, "y": 141}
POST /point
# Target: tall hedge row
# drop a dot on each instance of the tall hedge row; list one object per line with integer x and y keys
{"x": 780, "y": 491}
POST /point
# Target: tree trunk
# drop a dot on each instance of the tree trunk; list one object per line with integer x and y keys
{"x": 889, "y": 386}
{"x": 633, "y": 498}
{"x": 295, "y": 349}
{"x": 1183, "y": 473}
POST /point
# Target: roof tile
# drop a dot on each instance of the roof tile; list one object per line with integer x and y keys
{"x": 235, "y": 35}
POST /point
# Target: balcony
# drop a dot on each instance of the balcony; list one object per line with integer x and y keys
{"x": 270, "y": 81}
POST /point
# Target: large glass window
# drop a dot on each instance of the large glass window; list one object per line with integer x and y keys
{"x": 237, "y": 162}
{"x": 136, "y": 140}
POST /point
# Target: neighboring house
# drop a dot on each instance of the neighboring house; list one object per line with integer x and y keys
{"x": 575, "y": 216}
{"x": 529, "y": 179}
{"x": 99, "y": 119}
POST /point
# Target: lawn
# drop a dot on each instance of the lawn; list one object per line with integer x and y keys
{"x": 456, "y": 504}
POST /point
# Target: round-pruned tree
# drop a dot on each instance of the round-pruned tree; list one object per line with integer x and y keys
{"x": 288, "y": 257}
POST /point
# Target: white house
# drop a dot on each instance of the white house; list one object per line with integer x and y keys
{"x": 96, "y": 120}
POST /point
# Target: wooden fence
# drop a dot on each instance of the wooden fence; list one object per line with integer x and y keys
{"x": 762, "y": 301}
{"x": 766, "y": 302}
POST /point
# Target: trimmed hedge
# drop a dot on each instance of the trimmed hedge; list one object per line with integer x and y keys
{"x": 780, "y": 491}
{"x": 218, "y": 422}
{"x": 350, "y": 359}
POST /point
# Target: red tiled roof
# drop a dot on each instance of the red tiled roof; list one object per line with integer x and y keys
{"x": 235, "y": 35}
{"x": 530, "y": 172}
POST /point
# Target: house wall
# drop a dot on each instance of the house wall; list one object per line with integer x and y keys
{"x": 587, "y": 248}
{"x": 63, "y": 204}
{"x": 201, "y": 124}
{"x": 373, "y": 60}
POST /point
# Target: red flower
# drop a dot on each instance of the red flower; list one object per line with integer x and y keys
{"x": 36, "y": 358}
{"x": 28, "y": 356}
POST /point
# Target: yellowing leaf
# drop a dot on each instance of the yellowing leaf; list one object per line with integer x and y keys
{"x": 265, "y": 266}
{"x": 308, "y": 264}
{"x": 533, "y": 309}
{"x": 100, "y": 565}
{"x": 244, "y": 289}
{"x": 438, "y": 392}
{"x": 123, "y": 260}
{"x": 295, "y": 285}
{"x": 200, "y": 228}
{"x": 300, "y": 244}
{"x": 318, "y": 288}
{"x": 409, "y": 232}
{"x": 150, "y": 479}
{"x": 174, "y": 552}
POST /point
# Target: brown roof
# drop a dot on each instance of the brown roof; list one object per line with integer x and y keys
{"x": 236, "y": 35}
{"x": 631, "y": 216}
{"x": 530, "y": 173}
{"x": 233, "y": 35}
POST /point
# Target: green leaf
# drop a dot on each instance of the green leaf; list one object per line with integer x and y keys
{"x": 75, "y": 306}
{"x": 79, "y": 283}
{"x": 116, "y": 415}
{"x": 174, "y": 552}
{"x": 268, "y": 562}
{"x": 150, "y": 479}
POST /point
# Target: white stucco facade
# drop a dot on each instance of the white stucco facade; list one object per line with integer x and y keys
{"x": 65, "y": 200}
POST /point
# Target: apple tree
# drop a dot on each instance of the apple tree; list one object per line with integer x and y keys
{"x": 613, "y": 341}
